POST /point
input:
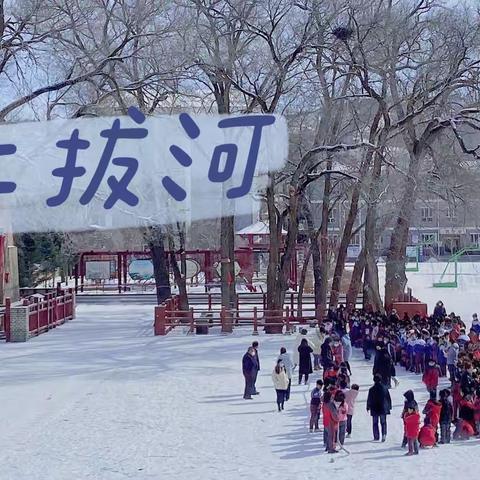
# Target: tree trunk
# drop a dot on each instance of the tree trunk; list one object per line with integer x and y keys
{"x": 395, "y": 277}
{"x": 322, "y": 288}
{"x": 343, "y": 248}
{"x": 301, "y": 282}
{"x": 160, "y": 273}
{"x": 356, "y": 281}
{"x": 274, "y": 285}
{"x": 160, "y": 265}
{"x": 227, "y": 253}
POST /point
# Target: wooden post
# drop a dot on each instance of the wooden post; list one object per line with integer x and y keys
{"x": 6, "y": 326}
{"x": 209, "y": 301}
{"x": 119, "y": 272}
{"x": 160, "y": 317}
{"x": 192, "y": 321}
{"x": 287, "y": 320}
{"x": 37, "y": 304}
{"x": 292, "y": 305}
{"x": 255, "y": 321}
{"x": 264, "y": 301}
{"x": 237, "y": 306}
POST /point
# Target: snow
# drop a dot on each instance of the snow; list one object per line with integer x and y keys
{"x": 259, "y": 228}
{"x": 101, "y": 398}
{"x": 461, "y": 300}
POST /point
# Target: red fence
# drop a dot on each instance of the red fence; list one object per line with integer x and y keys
{"x": 168, "y": 316}
{"x": 45, "y": 313}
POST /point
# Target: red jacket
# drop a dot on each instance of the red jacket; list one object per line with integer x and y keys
{"x": 477, "y": 410}
{"x": 426, "y": 437}
{"x": 433, "y": 410}
{"x": 430, "y": 378}
{"x": 326, "y": 415}
{"x": 412, "y": 425}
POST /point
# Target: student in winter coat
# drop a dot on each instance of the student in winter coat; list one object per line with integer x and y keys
{"x": 379, "y": 404}
{"x": 476, "y": 407}
{"x": 347, "y": 351}
{"x": 333, "y": 423}
{"x": 287, "y": 362}
{"x": 383, "y": 364}
{"x": 427, "y": 436}
{"x": 432, "y": 411}
{"x": 337, "y": 350}
{"x": 467, "y": 383}
{"x": 351, "y": 395}
{"x": 249, "y": 368}
{"x": 305, "y": 361}
{"x": 446, "y": 416}
{"x": 465, "y": 427}
{"x": 409, "y": 402}
{"x": 327, "y": 354}
{"x": 315, "y": 405}
{"x": 327, "y": 397}
{"x": 280, "y": 382}
{"x": 317, "y": 341}
{"x": 342, "y": 409}
{"x": 411, "y": 422}
{"x": 431, "y": 376}
{"x": 451, "y": 353}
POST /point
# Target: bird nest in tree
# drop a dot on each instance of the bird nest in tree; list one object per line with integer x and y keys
{"x": 342, "y": 32}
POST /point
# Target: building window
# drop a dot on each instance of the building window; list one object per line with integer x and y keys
{"x": 451, "y": 212}
{"x": 355, "y": 240}
{"x": 429, "y": 239}
{"x": 427, "y": 214}
{"x": 475, "y": 239}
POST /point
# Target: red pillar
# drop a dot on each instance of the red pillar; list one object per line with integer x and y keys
{"x": 6, "y": 320}
{"x": 125, "y": 271}
{"x": 119, "y": 272}
{"x": 159, "y": 327}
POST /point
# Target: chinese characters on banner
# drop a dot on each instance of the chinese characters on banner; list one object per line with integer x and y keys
{"x": 135, "y": 170}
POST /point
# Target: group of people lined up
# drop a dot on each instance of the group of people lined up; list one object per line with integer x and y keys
{"x": 434, "y": 346}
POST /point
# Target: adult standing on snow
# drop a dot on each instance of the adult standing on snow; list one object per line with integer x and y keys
{"x": 288, "y": 364}
{"x": 305, "y": 361}
{"x": 439, "y": 313}
{"x": 383, "y": 364}
{"x": 249, "y": 368}
{"x": 451, "y": 352}
{"x": 257, "y": 358}
{"x": 280, "y": 382}
{"x": 317, "y": 341}
{"x": 327, "y": 354}
{"x": 347, "y": 351}
{"x": 379, "y": 404}
{"x": 301, "y": 336}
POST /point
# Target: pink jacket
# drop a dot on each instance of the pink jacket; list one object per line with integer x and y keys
{"x": 342, "y": 412}
{"x": 350, "y": 397}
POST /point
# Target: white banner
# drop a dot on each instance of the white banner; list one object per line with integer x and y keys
{"x": 114, "y": 172}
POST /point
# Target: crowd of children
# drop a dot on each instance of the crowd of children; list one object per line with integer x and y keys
{"x": 434, "y": 347}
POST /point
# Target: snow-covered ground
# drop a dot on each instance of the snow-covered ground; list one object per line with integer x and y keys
{"x": 463, "y": 300}
{"x": 101, "y": 398}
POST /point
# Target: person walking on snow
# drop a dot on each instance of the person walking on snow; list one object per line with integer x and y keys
{"x": 249, "y": 368}
{"x": 379, "y": 404}
{"x": 280, "y": 382}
